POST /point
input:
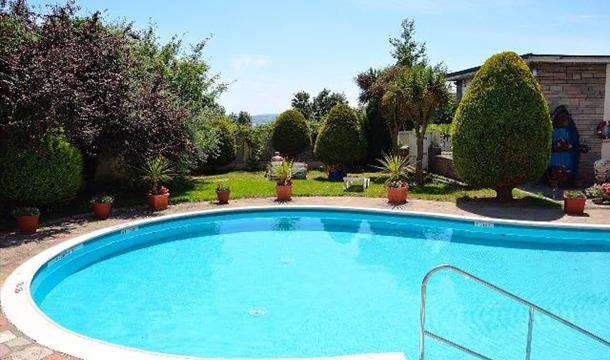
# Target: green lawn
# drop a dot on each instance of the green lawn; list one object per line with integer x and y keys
{"x": 254, "y": 184}
{"x": 245, "y": 184}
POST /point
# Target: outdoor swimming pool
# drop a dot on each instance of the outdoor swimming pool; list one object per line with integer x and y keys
{"x": 320, "y": 282}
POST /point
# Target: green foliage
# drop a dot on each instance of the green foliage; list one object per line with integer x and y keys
{"x": 222, "y": 187}
{"x": 407, "y": 51}
{"x": 224, "y": 131}
{"x": 340, "y": 138}
{"x": 42, "y": 174}
{"x": 187, "y": 79}
{"x": 376, "y": 133}
{"x": 501, "y": 132}
{"x": 255, "y": 139}
{"x": 301, "y": 101}
{"x": 156, "y": 171}
{"x": 316, "y": 108}
{"x": 283, "y": 173}
{"x": 26, "y": 211}
{"x": 323, "y": 103}
{"x": 574, "y": 194}
{"x": 102, "y": 199}
{"x": 291, "y": 133}
{"x": 395, "y": 166}
{"x": 416, "y": 95}
{"x": 441, "y": 128}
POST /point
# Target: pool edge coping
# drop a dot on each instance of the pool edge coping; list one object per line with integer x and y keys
{"x": 19, "y": 307}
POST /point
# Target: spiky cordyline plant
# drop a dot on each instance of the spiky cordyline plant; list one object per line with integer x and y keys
{"x": 156, "y": 171}
{"x": 395, "y": 166}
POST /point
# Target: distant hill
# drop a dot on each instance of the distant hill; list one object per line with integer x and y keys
{"x": 263, "y": 118}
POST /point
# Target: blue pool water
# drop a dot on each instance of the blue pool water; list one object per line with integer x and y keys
{"x": 302, "y": 283}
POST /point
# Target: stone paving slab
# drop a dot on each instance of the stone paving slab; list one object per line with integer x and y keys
{"x": 15, "y": 249}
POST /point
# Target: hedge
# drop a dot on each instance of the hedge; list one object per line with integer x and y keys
{"x": 291, "y": 134}
{"x": 501, "y": 132}
{"x": 340, "y": 138}
{"x": 44, "y": 174}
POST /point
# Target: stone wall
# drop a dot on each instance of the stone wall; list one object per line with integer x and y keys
{"x": 580, "y": 87}
{"x": 442, "y": 164}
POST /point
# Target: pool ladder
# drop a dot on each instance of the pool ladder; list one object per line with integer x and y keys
{"x": 530, "y": 323}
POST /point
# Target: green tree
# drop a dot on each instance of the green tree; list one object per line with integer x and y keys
{"x": 244, "y": 118}
{"x": 394, "y": 120}
{"x": 291, "y": 133}
{"x": 187, "y": 78}
{"x": 225, "y": 132}
{"x": 45, "y": 173}
{"x": 340, "y": 138}
{"x": 502, "y": 128}
{"x": 407, "y": 51}
{"x": 417, "y": 95}
{"x": 325, "y": 101}
{"x": 301, "y": 101}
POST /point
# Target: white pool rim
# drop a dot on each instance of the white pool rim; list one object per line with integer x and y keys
{"x": 21, "y": 310}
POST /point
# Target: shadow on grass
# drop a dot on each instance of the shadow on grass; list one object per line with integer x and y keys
{"x": 528, "y": 208}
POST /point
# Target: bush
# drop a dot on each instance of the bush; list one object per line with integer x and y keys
{"x": 227, "y": 143}
{"x": 290, "y": 133}
{"x": 502, "y": 128}
{"x": 340, "y": 138}
{"x": 48, "y": 173}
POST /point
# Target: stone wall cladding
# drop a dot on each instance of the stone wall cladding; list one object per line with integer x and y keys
{"x": 580, "y": 87}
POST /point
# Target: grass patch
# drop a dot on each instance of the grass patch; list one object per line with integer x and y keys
{"x": 245, "y": 184}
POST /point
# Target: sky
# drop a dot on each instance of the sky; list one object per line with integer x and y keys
{"x": 270, "y": 49}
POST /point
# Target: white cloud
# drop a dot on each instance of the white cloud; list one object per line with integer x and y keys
{"x": 244, "y": 62}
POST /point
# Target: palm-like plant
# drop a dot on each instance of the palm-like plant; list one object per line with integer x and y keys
{"x": 156, "y": 170}
{"x": 283, "y": 173}
{"x": 395, "y": 166}
{"x": 418, "y": 94}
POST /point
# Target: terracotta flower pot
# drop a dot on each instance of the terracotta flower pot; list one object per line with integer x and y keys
{"x": 398, "y": 195}
{"x": 284, "y": 192}
{"x": 102, "y": 210}
{"x": 158, "y": 202}
{"x": 574, "y": 205}
{"x": 223, "y": 196}
{"x": 28, "y": 224}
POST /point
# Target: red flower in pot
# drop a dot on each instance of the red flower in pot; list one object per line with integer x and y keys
{"x": 156, "y": 171}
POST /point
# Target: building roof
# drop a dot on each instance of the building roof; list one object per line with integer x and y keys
{"x": 538, "y": 58}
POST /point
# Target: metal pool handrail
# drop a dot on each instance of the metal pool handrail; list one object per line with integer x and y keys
{"x": 530, "y": 323}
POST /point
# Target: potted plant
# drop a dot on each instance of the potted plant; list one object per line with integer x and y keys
{"x": 395, "y": 166}
{"x": 574, "y": 202}
{"x": 102, "y": 205}
{"x": 283, "y": 175}
{"x": 599, "y": 193}
{"x": 27, "y": 219}
{"x": 222, "y": 193}
{"x": 156, "y": 171}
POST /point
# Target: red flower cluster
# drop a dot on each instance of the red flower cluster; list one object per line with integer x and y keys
{"x": 163, "y": 190}
{"x": 606, "y": 189}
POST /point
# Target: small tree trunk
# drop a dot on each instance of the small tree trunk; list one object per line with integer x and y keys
{"x": 419, "y": 168}
{"x": 504, "y": 194}
{"x": 394, "y": 135}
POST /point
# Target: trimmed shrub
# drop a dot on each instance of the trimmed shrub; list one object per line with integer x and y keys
{"x": 47, "y": 174}
{"x": 340, "y": 139}
{"x": 502, "y": 129}
{"x": 290, "y": 133}
{"x": 227, "y": 143}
